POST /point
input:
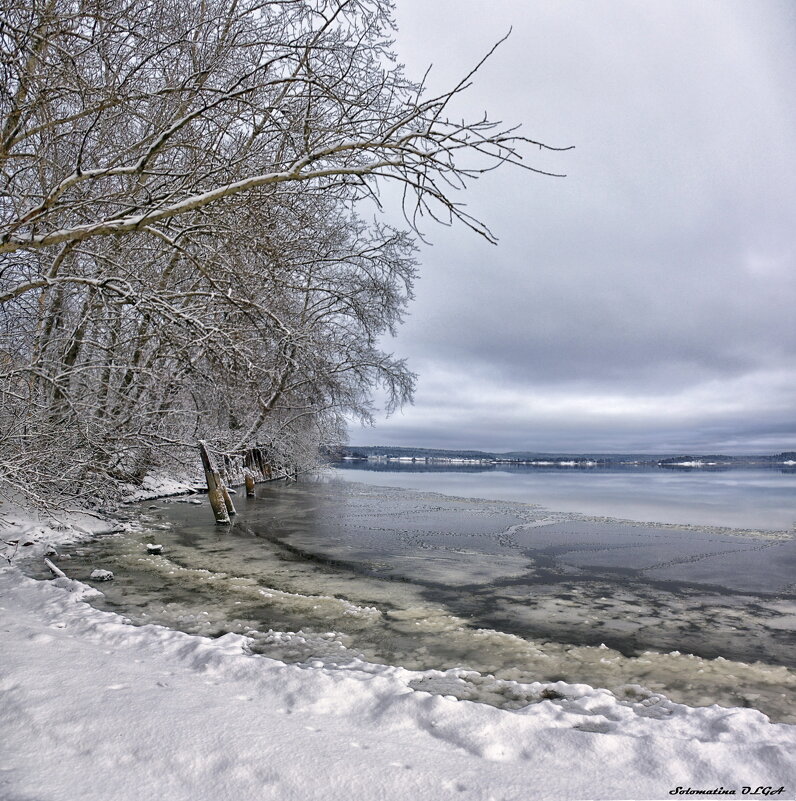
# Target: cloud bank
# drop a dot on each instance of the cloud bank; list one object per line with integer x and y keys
{"x": 645, "y": 302}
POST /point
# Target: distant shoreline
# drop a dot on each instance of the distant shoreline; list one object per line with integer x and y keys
{"x": 435, "y": 456}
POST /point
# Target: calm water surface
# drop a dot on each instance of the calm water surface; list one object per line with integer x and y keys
{"x": 735, "y": 498}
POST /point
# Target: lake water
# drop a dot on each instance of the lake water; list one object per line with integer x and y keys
{"x": 344, "y": 568}
{"x": 736, "y": 498}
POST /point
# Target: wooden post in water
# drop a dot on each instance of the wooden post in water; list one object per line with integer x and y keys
{"x": 216, "y": 491}
{"x": 248, "y": 477}
{"x": 227, "y": 500}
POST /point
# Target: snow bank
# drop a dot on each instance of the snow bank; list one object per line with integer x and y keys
{"x": 163, "y": 486}
{"x": 94, "y": 708}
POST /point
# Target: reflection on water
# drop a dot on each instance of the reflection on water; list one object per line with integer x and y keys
{"x": 737, "y": 498}
{"x": 335, "y": 571}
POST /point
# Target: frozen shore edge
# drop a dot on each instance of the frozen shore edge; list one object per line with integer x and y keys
{"x": 96, "y": 708}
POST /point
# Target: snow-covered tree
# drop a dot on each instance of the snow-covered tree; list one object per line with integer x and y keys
{"x": 183, "y": 248}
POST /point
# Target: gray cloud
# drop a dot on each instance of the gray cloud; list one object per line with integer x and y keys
{"x": 646, "y": 301}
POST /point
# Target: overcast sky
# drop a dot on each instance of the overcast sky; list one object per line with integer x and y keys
{"x": 646, "y": 302}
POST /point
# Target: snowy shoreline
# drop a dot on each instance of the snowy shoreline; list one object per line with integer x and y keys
{"x": 96, "y": 708}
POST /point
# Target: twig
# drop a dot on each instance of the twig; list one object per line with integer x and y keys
{"x": 56, "y": 571}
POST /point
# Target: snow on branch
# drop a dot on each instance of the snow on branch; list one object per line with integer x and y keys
{"x": 182, "y": 250}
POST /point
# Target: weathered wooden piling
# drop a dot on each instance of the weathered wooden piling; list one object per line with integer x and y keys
{"x": 227, "y": 500}
{"x": 217, "y": 494}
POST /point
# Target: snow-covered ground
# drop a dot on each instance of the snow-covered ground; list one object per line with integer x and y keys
{"x": 92, "y": 707}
